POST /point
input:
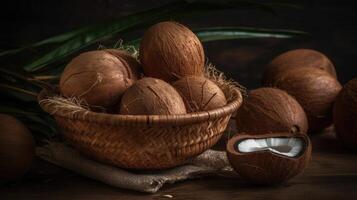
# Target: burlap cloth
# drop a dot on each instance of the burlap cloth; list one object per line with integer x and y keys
{"x": 209, "y": 163}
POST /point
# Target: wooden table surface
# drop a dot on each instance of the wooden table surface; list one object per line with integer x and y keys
{"x": 332, "y": 174}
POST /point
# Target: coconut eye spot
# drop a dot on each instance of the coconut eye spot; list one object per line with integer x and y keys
{"x": 295, "y": 129}
{"x": 290, "y": 147}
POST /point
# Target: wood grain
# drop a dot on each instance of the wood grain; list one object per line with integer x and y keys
{"x": 332, "y": 174}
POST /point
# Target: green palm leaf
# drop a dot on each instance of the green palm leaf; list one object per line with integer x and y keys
{"x": 229, "y": 33}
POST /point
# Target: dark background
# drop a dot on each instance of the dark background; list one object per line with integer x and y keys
{"x": 332, "y": 26}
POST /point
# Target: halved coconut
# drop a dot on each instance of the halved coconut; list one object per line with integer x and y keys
{"x": 271, "y": 158}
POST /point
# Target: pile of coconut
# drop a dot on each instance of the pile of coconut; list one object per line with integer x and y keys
{"x": 168, "y": 77}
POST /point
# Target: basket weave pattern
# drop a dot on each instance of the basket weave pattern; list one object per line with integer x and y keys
{"x": 141, "y": 141}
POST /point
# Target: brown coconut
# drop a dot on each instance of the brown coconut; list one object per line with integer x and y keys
{"x": 200, "y": 93}
{"x": 345, "y": 114}
{"x": 170, "y": 50}
{"x": 315, "y": 90}
{"x": 274, "y": 165}
{"x": 17, "y": 148}
{"x": 99, "y": 78}
{"x": 270, "y": 110}
{"x": 297, "y": 58}
{"x": 150, "y": 96}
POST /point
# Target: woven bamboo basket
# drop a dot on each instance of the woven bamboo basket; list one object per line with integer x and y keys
{"x": 140, "y": 141}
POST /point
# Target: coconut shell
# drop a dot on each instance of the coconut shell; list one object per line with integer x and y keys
{"x": 170, "y": 50}
{"x": 17, "y": 148}
{"x": 200, "y": 93}
{"x": 99, "y": 78}
{"x": 131, "y": 64}
{"x": 265, "y": 167}
{"x": 315, "y": 90}
{"x": 345, "y": 114}
{"x": 297, "y": 58}
{"x": 270, "y": 110}
{"x": 150, "y": 96}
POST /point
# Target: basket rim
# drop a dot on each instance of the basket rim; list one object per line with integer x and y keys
{"x": 140, "y": 120}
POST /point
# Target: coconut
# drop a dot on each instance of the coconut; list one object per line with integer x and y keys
{"x": 170, "y": 50}
{"x": 99, "y": 78}
{"x": 17, "y": 148}
{"x": 315, "y": 90}
{"x": 271, "y": 158}
{"x": 199, "y": 93}
{"x": 345, "y": 114}
{"x": 296, "y": 59}
{"x": 270, "y": 110}
{"x": 150, "y": 96}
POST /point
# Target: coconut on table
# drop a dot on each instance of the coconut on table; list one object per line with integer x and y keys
{"x": 315, "y": 90}
{"x": 17, "y": 148}
{"x": 345, "y": 114}
{"x": 270, "y": 110}
{"x": 271, "y": 145}
{"x": 271, "y": 158}
{"x": 297, "y": 58}
{"x": 310, "y": 77}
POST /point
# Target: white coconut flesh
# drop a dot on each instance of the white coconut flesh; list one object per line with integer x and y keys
{"x": 290, "y": 147}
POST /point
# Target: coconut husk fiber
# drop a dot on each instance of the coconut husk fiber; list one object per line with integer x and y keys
{"x": 209, "y": 163}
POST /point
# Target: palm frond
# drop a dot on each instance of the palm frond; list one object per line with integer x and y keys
{"x": 233, "y": 33}
{"x": 166, "y": 12}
